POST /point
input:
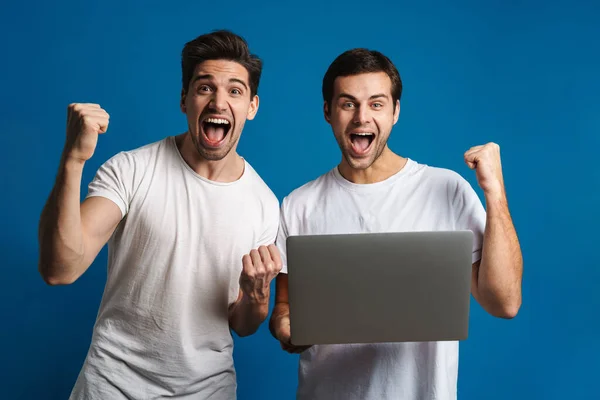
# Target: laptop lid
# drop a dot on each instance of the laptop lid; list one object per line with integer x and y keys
{"x": 379, "y": 287}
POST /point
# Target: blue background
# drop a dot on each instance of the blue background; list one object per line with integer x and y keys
{"x": 521, "y": 73}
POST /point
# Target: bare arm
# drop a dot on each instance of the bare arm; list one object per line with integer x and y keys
{"x": 71, "y": 234}
{"x": 497, "y": 277}
{"x": 252, "y": 306}
{"x": 246, "y": 315}
{"x": 279, "y": 325}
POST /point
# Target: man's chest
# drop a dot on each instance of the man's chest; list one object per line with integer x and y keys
{"x": 382, "y": 213}
{"x": 193, "y": 217}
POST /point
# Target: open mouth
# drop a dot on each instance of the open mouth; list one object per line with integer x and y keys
{"x": 361, "y": 142}
{"x": 215, "y": 130}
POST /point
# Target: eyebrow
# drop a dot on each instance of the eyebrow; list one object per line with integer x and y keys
{"x": 375, "y": 96}
{"x": 211, "y": 77}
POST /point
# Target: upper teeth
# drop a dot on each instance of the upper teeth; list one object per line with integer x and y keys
{"x": 364, "y": 133}
{"x": 217, "y": 121}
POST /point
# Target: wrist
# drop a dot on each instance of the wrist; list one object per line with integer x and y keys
{"x": 256, "y": 297}
{"x": 495, "y": 196}
{"x": 254, "y": 301}
{"x": 71, "y": 162}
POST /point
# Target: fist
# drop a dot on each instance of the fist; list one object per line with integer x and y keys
{"x": 84, "y": 123}
{"x": 258, "y": 270}
{"x": 485, "y": 160}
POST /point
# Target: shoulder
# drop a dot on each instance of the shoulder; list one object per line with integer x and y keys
{"x": 441, "y": 178}
{"x": 306, "y": 195}
{"x": 260, "y": 187}
{"x": 138, "y": 157}
{"x": 437, "y": 174}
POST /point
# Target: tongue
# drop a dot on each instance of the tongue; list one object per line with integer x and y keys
{"x": 214, "y": 133}
{"x": 360, "y": 143}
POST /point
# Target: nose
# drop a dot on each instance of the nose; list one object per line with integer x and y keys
{"x": 219, "y": 101}
{"x": 361, "y": 116}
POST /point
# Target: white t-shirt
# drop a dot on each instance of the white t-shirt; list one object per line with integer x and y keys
{"x": 174, "y": 264}
{"x": 417, "y": 198}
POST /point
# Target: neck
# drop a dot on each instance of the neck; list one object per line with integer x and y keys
{"x": 386, "y": 165}
{"x": 228, "y": 169}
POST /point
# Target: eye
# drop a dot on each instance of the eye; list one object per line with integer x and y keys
{"x": 204, "y": 88}
{"x": 236, "y": 91}
{"x": 348, "y": 104}
{"x": 377, "y": 105}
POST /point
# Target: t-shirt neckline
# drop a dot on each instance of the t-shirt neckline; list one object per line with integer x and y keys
{"x": 173, "y": 144}
{"x": 368, "y": 187}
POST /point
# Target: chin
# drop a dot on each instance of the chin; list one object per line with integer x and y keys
{"x": 209, "y": 153}
{"x": 213, "y": 155}
{"x": 359, "y": 163}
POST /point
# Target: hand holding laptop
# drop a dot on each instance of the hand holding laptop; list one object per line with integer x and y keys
{"x": 283, "y": 334}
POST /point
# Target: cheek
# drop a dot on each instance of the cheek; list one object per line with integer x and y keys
{"x": 384, "y": 123}
{"x": 339, "y": 123}
{"x": 240, "y": 112}
{"x": 195, "y": 105}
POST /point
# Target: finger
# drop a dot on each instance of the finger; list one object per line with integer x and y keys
{"x": 247, "y": 267}
{"x": 471, "y": 154}
{"x": 471, "y": 158}
{"x": 276, "y": 257}
{"x": 99, "y": 123}
{"x": 286, "y": 347}
{"x": 81, "y": 106}
{"x": 271, "y": 268}
{"x": 265, "y": 255}
{"x": 299, "y": 349}
{"x": 475, "y": 148}
{"x": 256, "y": 261}
{"x": 95, "y": 112}
{"x": 103, "y": 128}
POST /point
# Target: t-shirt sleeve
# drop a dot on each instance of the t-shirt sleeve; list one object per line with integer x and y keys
{"x": 470, "y": 214}
{"x": 114, "y": 181}
{"x": 282, "y": 235}
{"x": 271, "y": 224}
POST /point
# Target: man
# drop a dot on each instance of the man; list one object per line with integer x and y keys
{"x": 375, "y": 190}
{"x": 190, "y": 227}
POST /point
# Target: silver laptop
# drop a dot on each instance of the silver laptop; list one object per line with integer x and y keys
{"x": 379, "y": 287}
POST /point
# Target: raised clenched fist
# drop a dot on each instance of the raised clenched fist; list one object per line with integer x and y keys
{"x": 485, "y": 160}
{"x": 84, "y": 123}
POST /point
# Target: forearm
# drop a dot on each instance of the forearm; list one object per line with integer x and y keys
{"x": 500, "y": 272}
{"x": 60, "y": 230}
{"x": 280, "y": 311}
{"x": 247, "y": 314}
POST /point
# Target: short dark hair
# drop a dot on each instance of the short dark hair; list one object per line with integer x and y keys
{"x": 220, "y": 45}
{"x": 360, "y": 61}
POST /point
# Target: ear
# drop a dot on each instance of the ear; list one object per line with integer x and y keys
{"x": 396, "y": 111}
{"x": 326, "y": 112}
{"x": 253, "y": 108}
{"x": 182, "y": 102}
